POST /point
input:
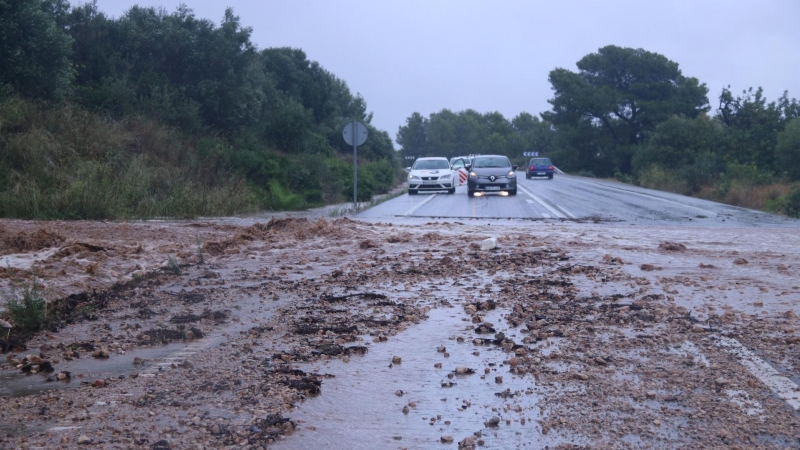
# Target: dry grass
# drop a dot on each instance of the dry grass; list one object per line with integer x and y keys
{"x": 762, "y": 198}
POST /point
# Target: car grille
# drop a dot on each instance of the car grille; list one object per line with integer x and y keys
{"x": 429, "y": 178}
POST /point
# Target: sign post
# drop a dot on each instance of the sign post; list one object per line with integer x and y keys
{"x": 355, "y": 133}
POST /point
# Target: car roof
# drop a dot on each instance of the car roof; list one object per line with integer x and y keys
{"x": 432, "y": 157}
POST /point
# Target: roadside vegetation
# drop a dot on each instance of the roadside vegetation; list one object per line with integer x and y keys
{"x": 164, "y": 114}
{"x": 632, "y": 115}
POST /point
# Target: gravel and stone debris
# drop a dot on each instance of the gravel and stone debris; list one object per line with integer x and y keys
{"x": 608, "y": 337}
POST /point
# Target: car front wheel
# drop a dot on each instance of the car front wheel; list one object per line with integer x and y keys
{"x": 412, "y": 192}
{"x": 514, "y": 192}
{"x": 451, "y": 191}
{"x": 470, "y": 193}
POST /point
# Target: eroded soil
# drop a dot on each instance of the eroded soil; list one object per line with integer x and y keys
{"x": 206, "y": 335}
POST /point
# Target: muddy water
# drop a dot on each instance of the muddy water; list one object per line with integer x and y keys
{"x": 361, "y": 407}
{"x": 14, "y": 383}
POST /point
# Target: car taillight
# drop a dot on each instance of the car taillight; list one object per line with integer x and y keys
{"x": 530, "y": 168}
{"x": 551, "y": 167}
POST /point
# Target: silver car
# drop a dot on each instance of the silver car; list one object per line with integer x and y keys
{"x": 491, "y": 173}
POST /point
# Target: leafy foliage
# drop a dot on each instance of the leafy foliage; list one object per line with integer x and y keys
{"x": 787, "y": 150}
{"x": 792, "y": 203}
{"x": 617, "y": 99}
{"x": 34, "y": 51}
{"x": 169, "y": 115}
{"x": 27, "y": 307}
{"x": 450, "y": 134}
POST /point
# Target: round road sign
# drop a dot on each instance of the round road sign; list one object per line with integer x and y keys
{"x": 360, "y": 133}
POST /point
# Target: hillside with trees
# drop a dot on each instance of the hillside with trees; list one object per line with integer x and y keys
{"x": 633, "y": 115}
{"x": 166, "y": 114}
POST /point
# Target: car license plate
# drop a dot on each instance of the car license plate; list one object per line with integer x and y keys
{"x": 492, "y": 188}
{"x": 430, "y": 182}
{"x": 540, "y": 173}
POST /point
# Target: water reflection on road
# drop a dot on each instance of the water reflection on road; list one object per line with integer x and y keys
{"x": 362, "y": 407}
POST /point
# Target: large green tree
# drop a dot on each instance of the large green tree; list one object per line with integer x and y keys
{"x": 753, "y": 125}
{"x": 34, "y": 51}
{"x": 412, "y": 137}
{"x": 787, "y": 151}
{"x": 623, "y": 93}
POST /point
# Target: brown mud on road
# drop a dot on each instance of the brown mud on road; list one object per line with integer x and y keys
{"x": 301, "y": 333}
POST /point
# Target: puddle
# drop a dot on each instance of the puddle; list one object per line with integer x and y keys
{"x": 14, "y": 383}
{"x": 360, "y": 408}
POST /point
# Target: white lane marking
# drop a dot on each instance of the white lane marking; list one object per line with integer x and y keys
{"x": 546, "y": 216}
{"x": 414, "y": 208}
{"x": 572, "y": 216}
{"x": 780, "y": 385}
{"x": 549, "y": 208}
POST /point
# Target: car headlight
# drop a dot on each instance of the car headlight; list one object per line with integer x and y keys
{"x": 446, "y": 177}
{"x": 473, "y": 175}
{"x": 511, "y": 174}
{"x": 413, "y": 177}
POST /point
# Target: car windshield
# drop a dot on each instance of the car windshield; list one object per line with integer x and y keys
{"x": 540, "y": 162}
{"x": 431, "y": 164}
{"x": 494, "y": 161}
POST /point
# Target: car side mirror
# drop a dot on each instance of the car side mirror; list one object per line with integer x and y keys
{"x": 468, "y": 167}
{"x": 514, "y": 168}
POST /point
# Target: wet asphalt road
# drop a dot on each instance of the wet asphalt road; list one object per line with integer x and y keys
{"x": 572, "y": 198}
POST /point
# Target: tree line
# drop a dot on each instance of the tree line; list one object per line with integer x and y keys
{"x": 632, "y": 114}
{"x": 266, "y": 119}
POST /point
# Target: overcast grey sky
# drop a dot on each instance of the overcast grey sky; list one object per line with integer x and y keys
{"x": 408, "y": 56}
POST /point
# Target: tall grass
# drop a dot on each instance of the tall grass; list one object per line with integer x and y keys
{"x": 660, "y": 179}
{"x": 742, "y": 185}
{"x": 770, "y": 198}
{"x": 66, "y": 163}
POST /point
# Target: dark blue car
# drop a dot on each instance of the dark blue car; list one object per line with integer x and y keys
{"x": 539, "y": 167}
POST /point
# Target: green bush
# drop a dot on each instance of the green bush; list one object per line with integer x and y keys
{"x": 282, "y": 199}
{"x": 28, "y": 314}
{"x": 792, "y": 203}
{"x": 621, "y": 177}
{"x": 656, "y": 177}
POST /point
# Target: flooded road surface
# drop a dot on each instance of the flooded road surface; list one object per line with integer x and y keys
{"x": 363, "y": 406}
{"x": 284, "y": 335}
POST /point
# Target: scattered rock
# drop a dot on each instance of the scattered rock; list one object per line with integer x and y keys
{"x": 492, "y": 422}
{"x": 489, "y": 244}
{"x": 672, "y": 246}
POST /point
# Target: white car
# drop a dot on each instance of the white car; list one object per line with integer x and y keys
{"x": 431, "y": 174}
